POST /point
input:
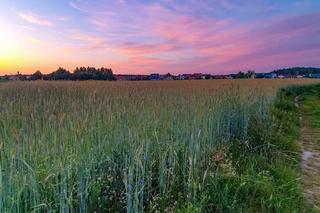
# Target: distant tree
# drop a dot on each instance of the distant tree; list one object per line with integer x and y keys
{"x": 250, "y": 74}
{"x": 81, "y": 73}
{"x": 207, "y": 76}
{"x": 20, "y": 77}
{"x": 36, "y": 76}
{"x": 91, "y": 73}
{"x": 240, "y": 75}
{"x": 297, "y": 71}
{"x": 60, "y": 74}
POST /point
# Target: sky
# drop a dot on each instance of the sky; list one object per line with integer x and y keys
{"x": 144, "y": 36}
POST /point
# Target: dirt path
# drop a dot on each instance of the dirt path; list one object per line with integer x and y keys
{"x": 310, "y": 160}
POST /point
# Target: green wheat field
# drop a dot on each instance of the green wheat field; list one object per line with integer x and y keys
{"x": 143, "y": 147}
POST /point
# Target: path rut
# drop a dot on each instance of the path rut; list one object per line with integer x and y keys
{"x": 310, "y": 160}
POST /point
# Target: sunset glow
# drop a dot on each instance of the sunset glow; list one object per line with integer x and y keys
{"x": 143, "y": 36}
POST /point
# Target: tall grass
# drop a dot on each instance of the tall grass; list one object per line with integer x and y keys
{"x": 134, "y": 146}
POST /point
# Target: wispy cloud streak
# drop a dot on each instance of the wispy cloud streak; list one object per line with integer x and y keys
{"x": 35, "y": 19}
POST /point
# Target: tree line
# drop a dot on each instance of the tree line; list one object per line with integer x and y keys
{"x": 297, "y": 71}
{"x": 241, "y": 75}
{"x": 79, "y": 74}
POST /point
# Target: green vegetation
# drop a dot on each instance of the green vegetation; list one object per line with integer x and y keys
{"x": 311, "y": 102}
{"x": 192, "y": 146}
{"x": 298, "y": 71}
{"x": 79, "y": 74}
{"x": 267, "y": 174}
{"x": 310, "y": 108}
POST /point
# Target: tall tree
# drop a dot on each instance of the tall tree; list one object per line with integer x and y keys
{"x": 36, "y": 76}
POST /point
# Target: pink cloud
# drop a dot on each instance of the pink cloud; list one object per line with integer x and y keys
{"x": 74, "y": 5}
{"x": 35, "y": 19}
{"x": 153, "y": 37}
{"x": 84, "y": 37}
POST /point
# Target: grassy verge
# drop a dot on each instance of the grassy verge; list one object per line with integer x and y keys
{"x": 309, "y": 101}
{"x": 310, "y": 105}
{"x": 262, "y": 174}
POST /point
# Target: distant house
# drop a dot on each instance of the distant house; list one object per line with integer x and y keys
{"x": 187, "y": 76}
{"x": 316, "y": 75}
{"x": 197, "y": 75}
{"x": 181, "y": 77}
{"x": 192, "y": 77}
{"x": 121, "y": 77}
{"x": 259, "y": 75}
{"x": 206, "y": 76}
{"x": 224, "y": 76}
{"x": 289, "y": 76}
{"x": 18, "y": 77}
{"x": 131, "y": 77}
{"x": 154, "y": 77}
{"x": 270, "y": 75}
{"x": 168, "y": 77}
{"x": 14, "y": 78}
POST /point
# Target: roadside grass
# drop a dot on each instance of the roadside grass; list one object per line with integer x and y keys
{"x": 263, "y": 176}
{"x": 309, "y": 102}
{"x": 311, "y": 107}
